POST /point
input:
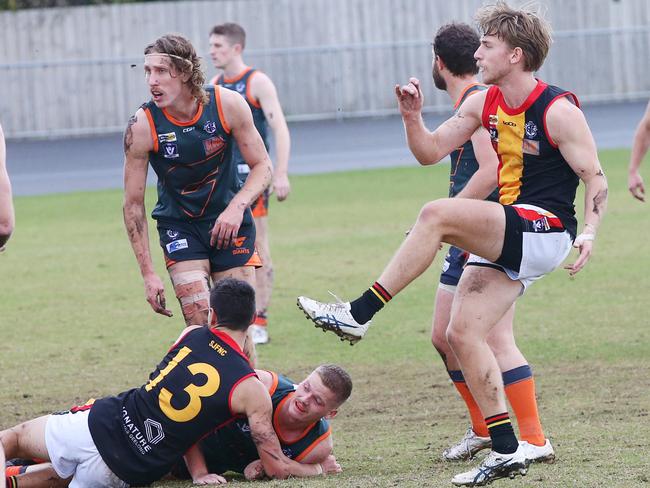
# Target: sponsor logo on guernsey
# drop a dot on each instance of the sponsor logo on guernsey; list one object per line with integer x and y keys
{"x": 134, "y": 434}
{"x": 188, "y": 129}
{"x": 154, "y": 431}
{"x": 240, "y": 87}
{"x": 167, "y": 137}
{"x": 213, "y": 145}
{"x": 509, "y": 123}
{"x": 210, "y": 127}
{"x": 493, "y": 120}
{"x": 243, "y": 169}
{"x": 176, "y": 245}
{"x": 530, "y": 129}
{"x": 530, "y": 147}
{"x": 170, "y": 150}
{"x": 172, "y": 234}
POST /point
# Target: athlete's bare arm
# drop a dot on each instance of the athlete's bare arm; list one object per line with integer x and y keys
{"x": 137, "y": 145}
{"x": 7, "y": 219}
{"x": 240, "y": 120}
{"x": 484, "y": 180}
{"x": 263, "y": 89}
{"x": 195, "y": 462}
{"x": 568, "y": 128}
{"x": 251, "y": 398}
{"x": 430, "y": 147}
{"x": 639, "y": 150}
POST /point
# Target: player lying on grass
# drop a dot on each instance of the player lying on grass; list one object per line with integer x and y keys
{"x": 301, "y": 416}
{"x": 136, "y": 438}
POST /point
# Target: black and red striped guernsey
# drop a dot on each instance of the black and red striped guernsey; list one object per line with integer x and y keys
{"x": 141, "y": 433}
{"x": 531, "y": 168}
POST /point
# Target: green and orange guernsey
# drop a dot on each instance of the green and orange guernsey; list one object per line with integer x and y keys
{"x": 531, "y": 168}
{"x": 197, "y": 177}
{"x": 231, "y": 447}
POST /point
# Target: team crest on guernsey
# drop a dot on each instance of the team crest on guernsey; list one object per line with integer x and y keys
{"x": 210, "y": 127}
{"x": 213, "y": 145}
{"x": 240, "y": 87}
{"x": 170, "y": 150}
{"x": 531, "y": 129}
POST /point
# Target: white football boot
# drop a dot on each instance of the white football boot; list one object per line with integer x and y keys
{"x": 335, "y": 317}
{"x": 539, "y": 454}
{"x": 493, "y": 467}
{"x": 467, "y": 448}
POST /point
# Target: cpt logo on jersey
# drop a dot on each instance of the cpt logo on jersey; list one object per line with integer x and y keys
{"x": 172, "y": 234}
{"x": 170, "y": 150}
{"x": 210, "y": 127}
{"x": 167, "y": 137}
{"x": 213, "y": 145}
{"x": 176, "y": 245}
{"x": 541, "y": 225}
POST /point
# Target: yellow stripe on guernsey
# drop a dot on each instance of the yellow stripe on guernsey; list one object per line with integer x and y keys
{"x": 511, "y": 136}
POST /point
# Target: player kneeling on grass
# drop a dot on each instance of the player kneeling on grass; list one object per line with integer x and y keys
{"x": 136, "y": 437}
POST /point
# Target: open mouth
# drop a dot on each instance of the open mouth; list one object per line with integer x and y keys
{"x": 300, "y": 406}
{"x": 156, "y": 96}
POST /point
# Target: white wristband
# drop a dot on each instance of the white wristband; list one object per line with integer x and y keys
{"x": 582, "y": 238}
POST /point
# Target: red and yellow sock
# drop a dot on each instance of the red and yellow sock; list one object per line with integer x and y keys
{"x": 368, "y": 304}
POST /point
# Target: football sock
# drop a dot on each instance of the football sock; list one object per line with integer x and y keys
{"x": 11, "y": 482}
{"x": 368, "y": 304}
{"x": 501, "y": 433}
{"x": 261, "y": 319}
{"x": 15, "y": 470}
{"x": 478, "y": 422}
{"x": 519, "y": 386}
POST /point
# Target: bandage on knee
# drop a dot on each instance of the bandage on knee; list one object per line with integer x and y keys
{"x": 193, "y": 293}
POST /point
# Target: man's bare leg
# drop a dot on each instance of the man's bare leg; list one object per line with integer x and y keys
{"x": 263, "y": 275}
{"x": 191, "y": 280}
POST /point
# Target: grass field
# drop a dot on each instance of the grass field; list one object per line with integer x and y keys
{"x": 74, "y": 325}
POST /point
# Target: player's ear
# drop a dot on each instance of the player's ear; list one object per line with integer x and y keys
{"x": 331, "y": 414}
{"x": 440, "y": 62}
{"x": 212, "y": 317}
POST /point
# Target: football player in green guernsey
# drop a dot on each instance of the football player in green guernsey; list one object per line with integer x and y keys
{"x": 185, "y": 133}
{"x": 227, "y": 43}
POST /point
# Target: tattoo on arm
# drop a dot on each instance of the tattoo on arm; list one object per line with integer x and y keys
{"x": 128, "y": 134}
{"x": 600, "y": 197}
{"x": 260, "y": 438}
{"x": 600, "y": 173}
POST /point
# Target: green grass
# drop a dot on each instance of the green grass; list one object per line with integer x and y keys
{"x": 75, "y": 324}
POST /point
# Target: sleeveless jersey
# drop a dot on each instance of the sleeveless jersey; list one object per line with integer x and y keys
{"x": 231, "y": 448}
{"x": 463, "y": 159}
{"x": 242, "y": 85}
{"x": 141, "y": 433}
{"x": 197, "y": 178}
{"x": 531, "y": 168}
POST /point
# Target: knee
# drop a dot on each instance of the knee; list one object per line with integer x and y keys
{"x": 193, "y": 294}
{"x": 9, "y": 440}
{"x": 439, "y": 341}
{"x": 458, "y": 335}
{"x": 431, "y": 213}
